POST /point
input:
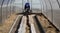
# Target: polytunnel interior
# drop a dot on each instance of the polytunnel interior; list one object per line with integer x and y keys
{"x": 49, "y": 8}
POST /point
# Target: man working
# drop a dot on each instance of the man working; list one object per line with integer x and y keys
{"x": 27, "y": 7}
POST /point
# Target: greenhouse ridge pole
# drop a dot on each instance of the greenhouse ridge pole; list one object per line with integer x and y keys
{"x": 51, "y": 10}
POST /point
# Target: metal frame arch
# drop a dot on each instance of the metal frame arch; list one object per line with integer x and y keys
{"x": 1, "y": 10}
{"x": 51, "y": 10}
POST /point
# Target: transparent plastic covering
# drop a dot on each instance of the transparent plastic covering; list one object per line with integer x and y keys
{"x": 6, "y": 9}
{"x": 50, "y": 8}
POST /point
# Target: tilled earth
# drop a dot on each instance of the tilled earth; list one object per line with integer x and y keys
{"x": 46, "y": 25}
